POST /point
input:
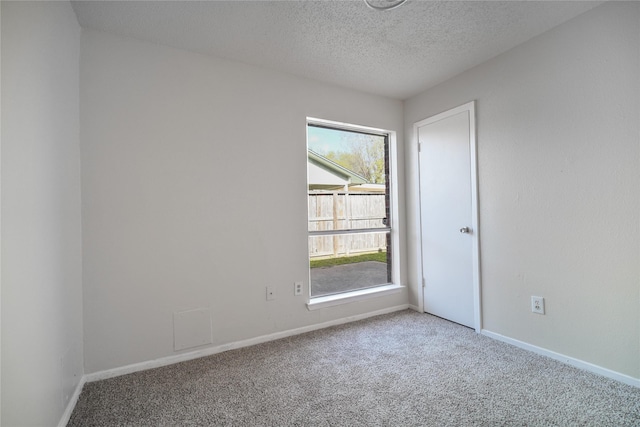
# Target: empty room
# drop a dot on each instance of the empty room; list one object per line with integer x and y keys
{"x": 324, "y": 213}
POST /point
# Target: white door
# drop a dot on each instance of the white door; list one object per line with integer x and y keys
{"x": 448, "y": 216}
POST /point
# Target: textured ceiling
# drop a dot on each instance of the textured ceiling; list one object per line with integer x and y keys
{"x": 396, "y": 53}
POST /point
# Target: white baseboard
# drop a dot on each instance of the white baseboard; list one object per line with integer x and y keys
{"x": 66, "y": 415}
{"x": 170, "y": 360}
{"x": 414, "y": 308}
{"x": 566, "y": 359}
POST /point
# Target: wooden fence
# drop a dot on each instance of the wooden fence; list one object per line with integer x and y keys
{"x": 343, "y": 211}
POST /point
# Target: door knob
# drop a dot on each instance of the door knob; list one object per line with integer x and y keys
{"x": 465, "y": 230}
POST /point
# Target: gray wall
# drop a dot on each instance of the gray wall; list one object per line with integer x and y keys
{"x": 41, "y": 242}
{"x": 559, "y": 177}
{"x": 194, "y": 195}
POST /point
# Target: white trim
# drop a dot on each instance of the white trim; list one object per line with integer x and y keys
{"x": 353, "y": 296}
{"x": 475, "y": 222}
{"x": 347, "y": 126}
{"x": 475, "y": 217}
{"x": 66, "y": 415}
{"x": 170, "y": 360}
{"x": 415, "y": 308}
{"x": 590, "y": 367}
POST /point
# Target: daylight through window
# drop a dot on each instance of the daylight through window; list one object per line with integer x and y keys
{"x": 348, "y": 209}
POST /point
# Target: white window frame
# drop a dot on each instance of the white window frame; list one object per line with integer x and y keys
{"x": 315, "y": 303}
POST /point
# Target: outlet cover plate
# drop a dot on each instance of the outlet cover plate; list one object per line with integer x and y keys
{"x": 297, "y": 288}
{"x": 537, "y": 305}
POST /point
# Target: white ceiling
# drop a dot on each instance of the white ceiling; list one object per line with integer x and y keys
{"x": 396, "y": 53}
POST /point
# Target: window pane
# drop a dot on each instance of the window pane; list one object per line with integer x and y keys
{"x": 348, "y": 189}
{"x": 347, "y": 180}
{"x": 360, "y": 154}
{"x": 347, "y": 262}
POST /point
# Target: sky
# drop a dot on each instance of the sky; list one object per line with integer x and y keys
{"x": 322, "y": 140}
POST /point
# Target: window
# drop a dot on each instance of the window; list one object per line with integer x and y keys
{"x": 349, "y": 208}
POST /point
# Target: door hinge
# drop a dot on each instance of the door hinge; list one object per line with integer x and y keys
{"x": 419, "y": 147}
{"x": 424, "y": 283}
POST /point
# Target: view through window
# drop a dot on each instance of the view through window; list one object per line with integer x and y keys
{"x": 349, "y": 210}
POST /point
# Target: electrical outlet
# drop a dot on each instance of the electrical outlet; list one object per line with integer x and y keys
{"x": 537, "y": 305}
{"x": 297, "y": 288}
{"x": 271, "y": 293}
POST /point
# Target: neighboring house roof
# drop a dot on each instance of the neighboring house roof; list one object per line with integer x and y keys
{"x": 325, "y": 174}
{"x": 368, "y": 188}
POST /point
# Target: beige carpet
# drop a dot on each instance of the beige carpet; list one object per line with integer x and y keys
{"x": 400, "y": 369}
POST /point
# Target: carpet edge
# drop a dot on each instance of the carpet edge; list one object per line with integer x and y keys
{"x": 572, "y": 361}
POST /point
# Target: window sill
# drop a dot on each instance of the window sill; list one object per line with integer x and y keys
{"x": 348, "y": 297}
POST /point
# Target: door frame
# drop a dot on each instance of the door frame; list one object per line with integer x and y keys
{"x": 475, "y": 235}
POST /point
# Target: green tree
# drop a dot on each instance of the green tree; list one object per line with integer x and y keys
{"x": 363, "y": 154}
